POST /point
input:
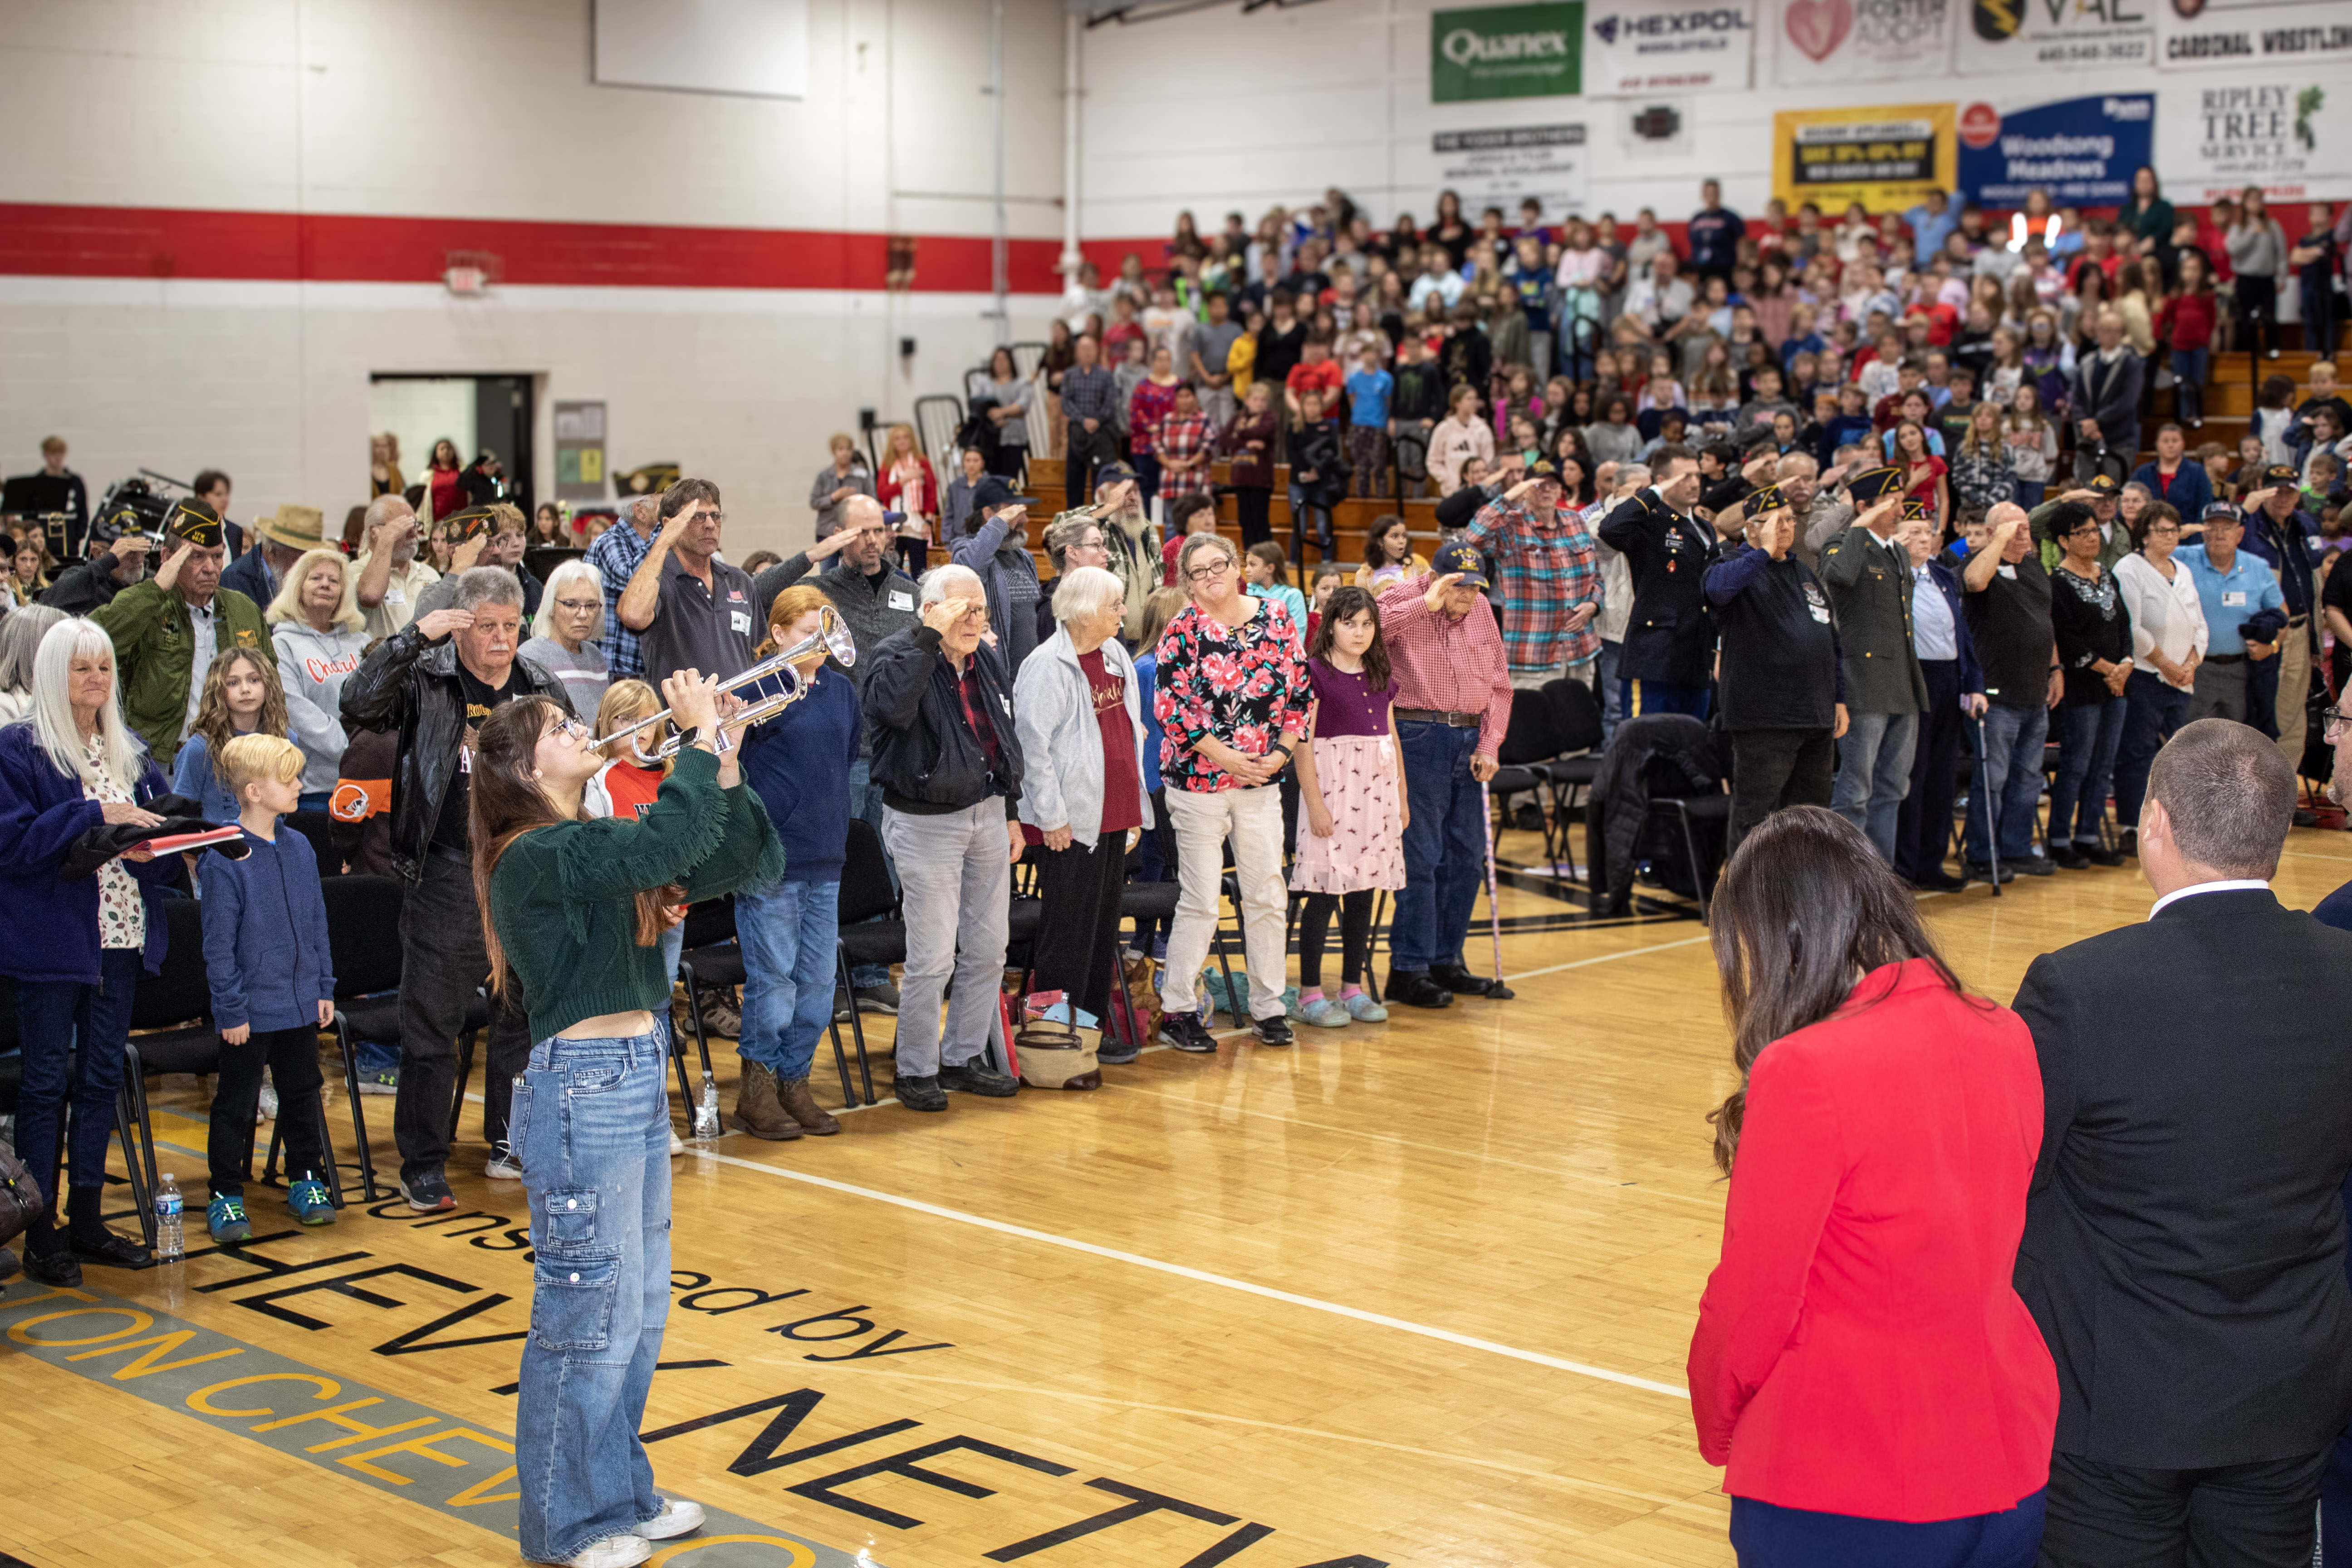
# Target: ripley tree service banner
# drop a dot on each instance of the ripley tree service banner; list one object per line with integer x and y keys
{"x": 1507, "y": 52}
{"x": 2290, "y": 135}
{"x": 1886, "y": 158}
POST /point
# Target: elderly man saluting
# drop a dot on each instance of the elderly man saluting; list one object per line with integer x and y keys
{"x": 167, "y": 629}
{"x": 1453, "y": 707}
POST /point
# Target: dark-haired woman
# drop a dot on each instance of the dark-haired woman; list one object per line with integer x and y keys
{"x": 1862, "y": 1363}
{"x": 573, "y": 911}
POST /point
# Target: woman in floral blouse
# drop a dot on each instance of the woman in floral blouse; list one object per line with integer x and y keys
{"x": 1231, "y": 698}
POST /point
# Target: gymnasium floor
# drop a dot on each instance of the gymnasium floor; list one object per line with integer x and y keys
{"x": 1406, "y": 1294}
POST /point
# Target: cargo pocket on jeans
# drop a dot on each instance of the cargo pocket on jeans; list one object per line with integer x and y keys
{"x": 572, "y": 1303}
{"x": 570, "y": 1219}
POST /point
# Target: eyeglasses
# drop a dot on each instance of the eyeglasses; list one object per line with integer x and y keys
{"x": 580, "y": 603}
{"x": 2331, "y": 724}
{"x": 706, "y": 517}
{"x": 569, "y": 726}
{"x": 1210, "y": 572}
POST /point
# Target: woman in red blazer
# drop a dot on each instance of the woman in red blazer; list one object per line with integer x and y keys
{"x": 1862, "y": 1362}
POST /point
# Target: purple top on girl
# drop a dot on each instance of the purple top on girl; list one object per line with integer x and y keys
{"x": 1349, "y": 704}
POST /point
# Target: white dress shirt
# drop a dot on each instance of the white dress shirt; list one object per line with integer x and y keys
{"x": 2233, "y": 885}
{"x": 2166, "y": 616}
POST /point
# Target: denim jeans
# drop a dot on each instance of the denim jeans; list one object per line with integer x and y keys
{"x": 2188, "y": 368}
{"x": 1444, "y": 845}
{"x": 788, "y": 934}
{"x": 443, "y": 964}
{"x": 2029, "y": 493}
{"x": 2153, "y": 711}
{"x": 2087, "y": 736}
{"x": 592, "y": 1127}
{"x": 1874, "y": 774}
{"x": 52, "y": 1016}
{"x": 2010, "y": 772}
{"x": 866, "y": 805}
{"x": 957, "y": 870}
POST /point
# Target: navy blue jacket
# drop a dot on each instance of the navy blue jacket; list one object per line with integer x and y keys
{"x": 250, "y": 575}
{"x": 798, "y": 764}
{"x": 1670, "y": 636}
{"x": 2192, "y": 487}
{"x": 1948, "y": 580}
{"x": 265, "y": 952}
{"x": 48, "y": 926}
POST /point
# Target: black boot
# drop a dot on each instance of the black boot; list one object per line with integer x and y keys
{"x": 91, "y": 1241}
{"x": 1414, "y": 988}
{"x": 47, "y": 1258}
{"x": 1459, "y": 980}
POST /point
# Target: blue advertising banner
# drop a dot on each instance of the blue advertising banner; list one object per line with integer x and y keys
{"x": 2081, "y": 151}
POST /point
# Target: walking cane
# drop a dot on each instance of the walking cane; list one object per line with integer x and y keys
{"x": 1992, "y": 825}
{"x": 1498, "y": 991}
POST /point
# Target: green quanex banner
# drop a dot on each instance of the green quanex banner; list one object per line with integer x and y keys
{"x": 1507, "y": 52}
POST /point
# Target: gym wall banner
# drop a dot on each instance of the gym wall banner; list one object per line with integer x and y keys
{"x": 2021, "y": 37}
{"x": 1497, "y": 167}
{"x": 2313, "y": 35}
{"x": 1830, "y": 43}
{"x": 1886, "y": 157}
{"x": 1506, "y": 51}
{"x": 2081, "y": 150}
{"x": 1637, "y": 46}
{"x": 2288, "y": 134}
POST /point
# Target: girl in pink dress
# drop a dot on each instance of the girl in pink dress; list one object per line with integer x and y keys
{"x": 1351, "y": 805}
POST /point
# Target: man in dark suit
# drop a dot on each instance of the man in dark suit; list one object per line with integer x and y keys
{"x": 2184, "y": 1241}
{"x": 2335, "y": 909}
{"x": 2107, "y": 402}
{"x": 1868, "y": 575}
{"x": 1668, "y": 658}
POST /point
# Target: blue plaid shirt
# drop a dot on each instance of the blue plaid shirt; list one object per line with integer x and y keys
{"x": 616, "y": 555}
{"x": 1089, "y": 394}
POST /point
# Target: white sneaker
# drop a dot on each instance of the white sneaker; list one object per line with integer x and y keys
{"x": 677, "y": 1145}
{"x": 268, "y": 1110}
{"x": 613, "y": 1552}
{"x": 677, "y": 1516}
{"x": 503, "y": 1167}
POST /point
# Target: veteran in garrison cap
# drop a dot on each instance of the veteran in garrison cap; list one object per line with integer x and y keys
{"x": 1868, "y": 574}
{"x": 168, "y": 628}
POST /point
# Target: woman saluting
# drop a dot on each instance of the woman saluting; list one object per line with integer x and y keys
{"x": 573, "y": 910}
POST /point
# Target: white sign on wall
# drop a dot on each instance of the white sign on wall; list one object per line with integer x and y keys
{"x": 1829, "y": 43}
{"x": 754, "y": 46}
{"x": 2020, "y": 37}
{"x": 1636, "y": 47}
{"x": 1496, "y": 167}
{"x": 2286, "y": 33}
{"x": 2285, "y": 134}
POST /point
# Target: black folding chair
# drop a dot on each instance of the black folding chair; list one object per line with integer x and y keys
{"x": 711, "y": 956}
{"x": 1575, "y": 713}
{"x": 1532, "y": 740}
{"x": 320, "y": 829}
{"x": 871, "y": 933}
{"x": 1702, "y": 815}
{"x": 363, "y": 935}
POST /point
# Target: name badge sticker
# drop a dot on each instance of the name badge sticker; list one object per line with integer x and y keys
{"x": 396, "y": 596}
{"x": 2233, "y": 597}
{"x": 901, "y": 600}
{"x": 739, "y": 622}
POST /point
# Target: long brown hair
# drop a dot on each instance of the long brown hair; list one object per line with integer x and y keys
{"x": 1346, "y": 603}
{"x": 212, "y": 720}
{"x": 506, "y": 802}
{"x": 1805, "y": 909}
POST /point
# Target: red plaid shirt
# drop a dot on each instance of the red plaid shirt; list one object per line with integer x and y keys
{"x": 1549, "y": 569}
{"x": 1183, "y": 435}
{"x": 1449, "y": 665}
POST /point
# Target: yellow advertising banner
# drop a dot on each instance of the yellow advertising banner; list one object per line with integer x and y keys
{"x": 1885, "y": 157}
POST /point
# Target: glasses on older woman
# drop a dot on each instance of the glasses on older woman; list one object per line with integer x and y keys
{"x": 1210, "y": 571}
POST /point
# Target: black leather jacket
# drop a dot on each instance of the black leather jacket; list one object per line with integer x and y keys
{"x": 411, "y": 685}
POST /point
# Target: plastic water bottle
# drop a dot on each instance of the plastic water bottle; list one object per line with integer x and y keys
{"x": 705, "y": 1109}
{"x": 170, "y": 1246}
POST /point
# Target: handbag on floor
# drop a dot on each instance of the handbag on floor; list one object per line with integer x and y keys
{"x": 21, "y": 1202}
{"x": 1056, "y": 1054}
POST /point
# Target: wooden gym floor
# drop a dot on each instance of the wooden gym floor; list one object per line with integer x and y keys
{"x": 1415, "y": 1293}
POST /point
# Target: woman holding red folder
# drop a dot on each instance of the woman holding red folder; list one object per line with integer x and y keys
{"x": 75, "y": 945}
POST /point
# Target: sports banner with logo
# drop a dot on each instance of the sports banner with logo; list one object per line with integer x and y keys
{"x": 2288, "y": 134}
{"x": 1830, "y": 43}
{"x": 2308, "y": 34}
{"x": 2017, "y": 37}
{"x": 2083, "y": 150}
{"x": 1506, "y": 51}
{"x": 1636, "y": 47}
{"x": 1881, "y": 157}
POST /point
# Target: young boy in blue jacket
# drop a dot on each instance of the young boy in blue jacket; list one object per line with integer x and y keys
{"x": 273, "y": 985}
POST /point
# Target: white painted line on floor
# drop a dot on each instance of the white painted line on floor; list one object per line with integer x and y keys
{"x": 1203, "y": 1277}
{"x": 1608, "y": 958}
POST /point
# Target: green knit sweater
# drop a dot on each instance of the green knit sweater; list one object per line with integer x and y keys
{"x": 562, "y": 899}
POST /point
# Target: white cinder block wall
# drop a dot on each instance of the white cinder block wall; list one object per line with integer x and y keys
{"x": 437, "y": 109}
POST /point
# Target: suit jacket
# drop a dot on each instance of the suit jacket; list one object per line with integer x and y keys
{"x": 2184, "y": 1241}
{"x": 1870, "y": 582}
{"x": 1948, "y": 582}
{"x": 1861, "y": 1349}
{"x": 1670, "y": 636}
{"x": 2110, "y": 394}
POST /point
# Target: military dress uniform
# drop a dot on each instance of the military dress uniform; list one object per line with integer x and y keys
{"x": 1669, "y": 650}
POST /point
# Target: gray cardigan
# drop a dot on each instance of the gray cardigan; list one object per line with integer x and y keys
{"x": 1061, "y": 743}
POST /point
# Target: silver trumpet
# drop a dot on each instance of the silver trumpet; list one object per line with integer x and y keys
{"x": 830, "y": 637}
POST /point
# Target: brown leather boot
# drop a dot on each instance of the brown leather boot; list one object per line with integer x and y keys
{"x": 802, "y": 1106}
{"x": 757, "y": 1110}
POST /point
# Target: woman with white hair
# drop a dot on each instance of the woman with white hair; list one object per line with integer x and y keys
{"x": 1080, "y": 721}
{"x": 321, "y": 637}
{"x": 75, "y": 943}
{"x": 947, "y": 754}
{"x": 20, "y": 639}
{"x": 568, "y": 636}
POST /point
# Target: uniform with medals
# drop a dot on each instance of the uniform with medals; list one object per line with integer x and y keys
{"x": 1669, "y": 636}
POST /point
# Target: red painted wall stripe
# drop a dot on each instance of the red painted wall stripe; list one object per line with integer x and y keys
{"x": 169, "y": 242}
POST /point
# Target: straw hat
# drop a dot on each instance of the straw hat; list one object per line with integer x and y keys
{"x": 295, "y": 528}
